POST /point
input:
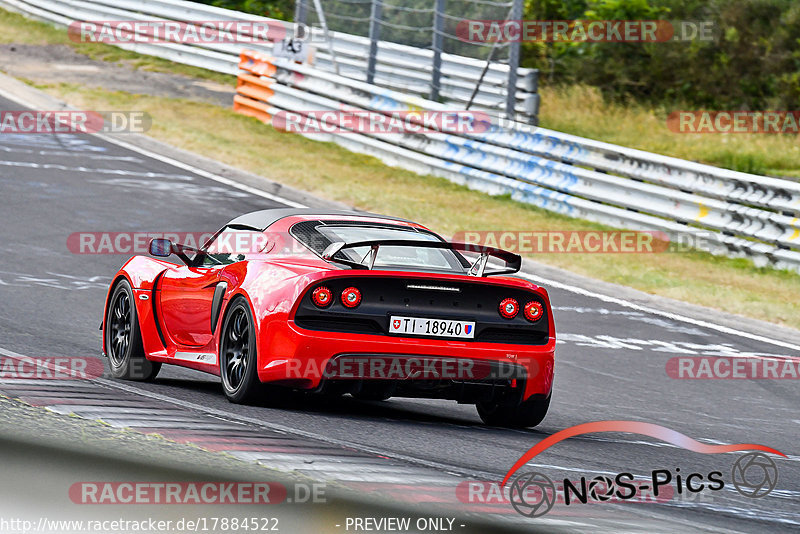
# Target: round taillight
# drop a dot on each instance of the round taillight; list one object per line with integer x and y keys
{"x": 351, "y": 297}
{"x": 322, "y": 297}
{"x": 533, "y": 311}
{"x": 509, "y": 308}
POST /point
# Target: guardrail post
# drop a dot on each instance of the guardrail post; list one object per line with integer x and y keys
{"x": 438, "y": 43}
{"x": 300, "y": 11}
{"x": 513, "y": 63}
{"x": 374, "y": 37}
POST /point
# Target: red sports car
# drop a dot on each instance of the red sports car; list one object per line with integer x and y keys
{"x": 338, "y": 302}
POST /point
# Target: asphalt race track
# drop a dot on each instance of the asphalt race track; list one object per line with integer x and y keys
{"x": 610, "y": 360}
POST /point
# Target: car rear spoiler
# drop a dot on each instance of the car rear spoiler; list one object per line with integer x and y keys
{"x": 513, "y": 262}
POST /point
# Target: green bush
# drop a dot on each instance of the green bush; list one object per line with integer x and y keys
{"x": 276, "y": 9}
{"x": 753, "y": 61}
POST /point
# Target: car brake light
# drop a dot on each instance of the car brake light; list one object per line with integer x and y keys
{"x": 322, "y": 297}
{"x": 533, "y": 311}
{"x": 509, "y": 308}
{"x": 351, "y": 297}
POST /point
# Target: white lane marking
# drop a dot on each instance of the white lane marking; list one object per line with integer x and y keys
{"x": 664, "y": 324}
{"x": 19, "y": 99}
{"x": 193, "y": 188}
{"x": 674, "y": 316}
{"x": 597, "y": 311}
{"x": 201, "y": 172}
{"x": 16, "y": 150}
{"x": 60, "y": 141}
{"x": 86, "y": 409}
{"x": 71, "y": 282}
{"x": 65, "y": 384}
{"x": 673, "y": 347}
{"x": 91, "y": 170}
{"x": 77, "y": 153}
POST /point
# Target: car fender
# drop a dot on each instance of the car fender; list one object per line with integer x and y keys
{"x": 142, "y": 273}
{"x": 271, "y": 291}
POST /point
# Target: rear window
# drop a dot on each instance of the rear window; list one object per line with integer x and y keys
{"x": 318, "y": 235}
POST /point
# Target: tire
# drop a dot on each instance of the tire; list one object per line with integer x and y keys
{"x": 238, "y": 354}
{"x": 124, "y": 348}
{"x": 526, "y": 414}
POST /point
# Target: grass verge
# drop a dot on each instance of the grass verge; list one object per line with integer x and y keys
{"x": 17, "y": 29}
{"x": 581, "y": 110}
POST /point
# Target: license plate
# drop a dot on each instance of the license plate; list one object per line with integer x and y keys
{"x": 420, "y": 326}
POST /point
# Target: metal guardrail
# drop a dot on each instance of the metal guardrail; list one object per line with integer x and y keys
{"x": 399, "y": 66}
{"x": 736, "y": 214}
{"x": 510, "y": 161}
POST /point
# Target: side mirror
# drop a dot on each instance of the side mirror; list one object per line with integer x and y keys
{"x": 160, "y": 247}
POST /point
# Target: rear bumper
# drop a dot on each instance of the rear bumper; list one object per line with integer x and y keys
{"x": 307, "y": 358}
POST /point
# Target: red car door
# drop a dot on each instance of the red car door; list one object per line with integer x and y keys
{"x": 185, "y": 304}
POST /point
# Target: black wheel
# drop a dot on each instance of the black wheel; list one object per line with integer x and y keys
{"x": 124, "y": 338}
{"x": 521, "y": 415}
{"x": 237, "y": 354}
